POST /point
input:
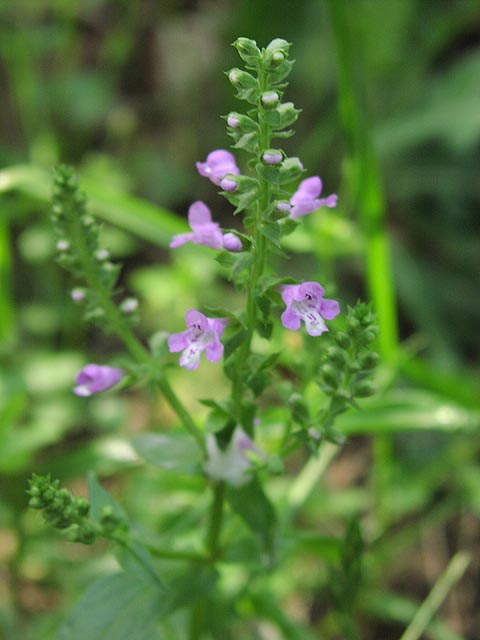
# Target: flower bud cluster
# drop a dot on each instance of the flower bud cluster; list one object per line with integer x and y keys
{"x": 61, "y": 509}
{"x": 350, "y": 362}
{"x": 79, "y": 249}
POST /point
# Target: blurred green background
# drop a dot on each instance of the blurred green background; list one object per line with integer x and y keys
{"x": 131, "y": 93}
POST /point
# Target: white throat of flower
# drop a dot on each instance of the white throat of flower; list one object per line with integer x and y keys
{"x": 198, "y": 341}
{"x": 307, "y": 310}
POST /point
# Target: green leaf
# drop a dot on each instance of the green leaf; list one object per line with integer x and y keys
{"x": 99, "y": 498}
{"x": 234, "y": 342}
{"x": 272, "y": 231}
{"x": 115, "y": 607}
{"x": 269, "y": 173}
{"x": 252, "y": 505}
{"x": 177, "y": 451}
{"x": 248, "y": 142}
{"x": 132, "y": 555}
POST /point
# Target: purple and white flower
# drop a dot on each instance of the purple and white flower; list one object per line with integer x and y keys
{"x": 202, "y": 334}
{"x": 233, "y": 463}
{"x": 305, "y": 199}
{"x": 94, "y": 378}
{"x": 218, "y": 164}
{"x": 306, "y": 302}
{"x": 205, "y": 231}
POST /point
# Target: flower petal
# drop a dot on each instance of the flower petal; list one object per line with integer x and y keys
{"x": 177, "y": 341}
{"x": 180, "y": 239}
{"x": 290, "y": 320}
{"x": 208, "y": 235}
{"x": 329, "y": 309}
{"x": 309, "y": 289}
{"x": 198, "y": 215}
{"x": 196, "y": 318}
{"x": 314, "y": 323}
{"x": 288, "y": 292}
{"x": 214, "y": 352}
{"x": 309, "y": 189}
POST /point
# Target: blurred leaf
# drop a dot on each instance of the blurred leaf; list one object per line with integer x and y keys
{"x": 252, "y": 505}
{"x": 409, "y": 410}
{"x": 116, "y": 607}
{"x": 137, "y": 216}
{"x": 177, "y": 452}
{"x": 452, "y": 98}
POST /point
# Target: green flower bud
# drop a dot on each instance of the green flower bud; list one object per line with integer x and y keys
{"x": 277, "y": 46}
{"x": 299, "y": 408}
{"x": 369, "y": 360}
{"x": 290, "y": 169}
{"x": 330, "y": 375}
{"x": 247, "y": 50}
{"x": 342, "y": 339}
{"x": 337, "y": 355}
{"x": 363, "y": 389}
{"x": 241, "y": 79}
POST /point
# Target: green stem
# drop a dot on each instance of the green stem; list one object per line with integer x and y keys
{"x": 116, "y": 322}
{"x": 180, "y": 410}
{"x": 259, "y": 249}
{"x": 452, "y": 574}
{"x": 215, "y": 521}
{"x": 169, "y": 554}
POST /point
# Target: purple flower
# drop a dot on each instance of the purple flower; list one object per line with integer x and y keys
{"x": 219, "y": 163}
{"x": 94, "y": 378}
{"x": 231, "y": 464}
{"x": 305, "y": 199}
{"x": 306, "y": 302}
{"x": 203, "y": 334}
{"x": 205, "y": 231}
{"x": 231, "y": 242}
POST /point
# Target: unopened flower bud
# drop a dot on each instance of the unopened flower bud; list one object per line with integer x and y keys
{"x": 231, "y": 242}
{"x": 78, "y": 294}
{"x": 363, "y": 389}
{"x": 278, "y": 56}
{"x": 270, "y": 98}
{"x": 102, "y": 255}
{"x": 241, "y": 79}
{"x": 247, "y": 49}
{"x": 313, "y": 433}
{"x": 369, "y": 360}
{"x": 63, "y": 245}
{"x": 329, "y": 374}
{"x": 272, "y": 156}
{"x": 233, "y": 121}
{"x": 129, "y": 305}
{"x": 284, "y": 206}
{"x": 228, "y": 184}
{"x": 342, "y": 339}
